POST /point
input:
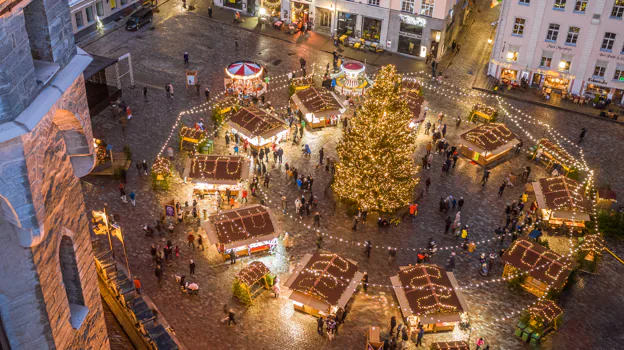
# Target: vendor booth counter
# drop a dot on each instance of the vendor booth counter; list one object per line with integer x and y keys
{"x": 258, "y": 126}
{"x": 244, "y": 231}
{"x": 322, "y": 283}
{"x": 487, "y": 144}
{"x": 211, "y": 173}
{"x": 320, "y": 108}
{"x": 428, "y": 296}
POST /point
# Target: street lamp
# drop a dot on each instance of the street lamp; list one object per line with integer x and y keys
{"x": 489, "y": 40}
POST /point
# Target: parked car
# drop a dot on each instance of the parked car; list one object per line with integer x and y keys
{"x": 139, "y": 18}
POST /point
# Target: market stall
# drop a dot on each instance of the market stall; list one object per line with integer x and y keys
{"x": 322, "y": 283}
{"x": 373, "y": 339}
{"x": 524, "y": 256}
{"x": 191, "y": 137}
{"x": 245, "y": 78}
{"x": 450, "y": 345}
{"x": 485, "y": 112}
{"x": 162, "y": 174}
{"x": 108, "y": 162}
{"x": 428, "y": 296}
{"x": 245, "y": 231}
{"x": 554, "y": 156}
{"x": 211, "y": 173}
{"x": 590, "y": 252}
{"x": 320, "y": 108}
{"x": 538, "y": 320}
{"x": 251, "y": 281}
{"x": 561, "y": 200}
{"x": 606, "y": 200}
{"x": 258, "y": 126}
{"x": 488, "y": 143}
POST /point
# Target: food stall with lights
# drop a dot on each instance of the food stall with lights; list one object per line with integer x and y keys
{"x": 162, "y": 175}
{"x": 485, "y": 112}
{"x": 488, "y": 143}
{"x": 245, "y": 77}
{"x": 107, "y": 161}
{"x": 258, "y": 126}
{"x": 590, "y": 252}
{"x": 246, "y": 231}
{"x": 251, "y": 281}
{"x": 450, "y": 345}
{"x": 322, "y": 283}
{"x": 552, "y": 154}
{"x": 428, "y": 296}
{"x": 538, "y": 320}
{"x": 320, "y": 108}
{"x": 190, "y": 137}
{"x": 211, "y": 173}
{"x": 526, "y": 256}
{"x": 561, "y": 200}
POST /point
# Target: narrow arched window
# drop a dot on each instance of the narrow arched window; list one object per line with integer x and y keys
{"x": 71, "y": 281}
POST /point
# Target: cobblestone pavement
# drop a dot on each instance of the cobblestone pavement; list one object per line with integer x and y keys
{"x": 591, "y": 307}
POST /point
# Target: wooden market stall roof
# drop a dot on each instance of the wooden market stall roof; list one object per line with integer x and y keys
{"x": 252, "y": 273}
{"x": 545, "y": 309}
{"x": 192, "y": 133}
{"x": 490, "y": 138}
{"x": 326, "y": 277}
{"x": 450, "y": 345}
{"x": 254, "y": 122}
{"x": 557, "y": 152}
{"x": 429, "y": 291}
{"x": 416, "y": 104}
{"x": 561, "y": 194}
{"x": 410, "y": 84}
{"x": 213, "y": 169}
{"x": 592, "y": 243}
{"x": 242, "y": 226}
{"x": 543, "y": 264}
{"x": 321, "y": 103}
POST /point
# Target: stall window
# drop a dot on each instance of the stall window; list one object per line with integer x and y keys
{"x": 373, "y": 2}
{"x": 407, "y": 6}
{"x": 553, "y": 32}
{"x": 573, "y": 33}
{"x": 346, "y": 23}
{"x": 608, "y": 41}
{"x": 600, "y": 69}
{"x": 619, "y": 73}
{"x": 559, "y": 5}
{"x": 78, "y": 16}
{"x": 371, "y": 29}
{"x": 426, "y": 9}
{"x": 618, "y": 9}
{"x": 565, "y": 63}
{"x": 546, "y": 59}
{"x": 99, "y": 9}
{"x": 518, "y": 28}
{"x": 580, "y": 6}
{"x": 90, "y": 14}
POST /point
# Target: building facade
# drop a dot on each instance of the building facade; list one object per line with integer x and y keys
{"x": 409, "y": 27}
{"x": 574, "y": 46}
{"x": 49, "y": 296}
{"x": 87, "y": 14}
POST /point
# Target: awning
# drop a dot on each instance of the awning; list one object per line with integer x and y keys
{"x": 348, "y": 293}
{"x": 99, "y": 63}
{"x": 400, "y": 293}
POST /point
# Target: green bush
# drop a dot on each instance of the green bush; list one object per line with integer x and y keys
{"x": 128, "y": 152}
{"x": 611, "y": 224}
{"x": 218, "y": 117}
{"x": 241, "y": 293}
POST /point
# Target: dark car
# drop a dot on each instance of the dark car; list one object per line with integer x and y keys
{"x": 139, "y": 18}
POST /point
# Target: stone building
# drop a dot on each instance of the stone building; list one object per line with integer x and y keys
{"x": 49, "y": 297}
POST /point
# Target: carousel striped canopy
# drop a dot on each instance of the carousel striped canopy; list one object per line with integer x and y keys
{"x": 244, "y": 69}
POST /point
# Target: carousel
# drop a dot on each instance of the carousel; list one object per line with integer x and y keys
{"x": 352, "y": 80}
{"x": 245, "y": 77}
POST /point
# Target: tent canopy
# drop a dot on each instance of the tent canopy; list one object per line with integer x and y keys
{"x": 244, "y": 69}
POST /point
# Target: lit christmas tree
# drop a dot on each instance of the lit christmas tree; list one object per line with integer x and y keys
{"x": 376, "y": 168}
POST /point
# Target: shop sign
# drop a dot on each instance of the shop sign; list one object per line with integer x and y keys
{"x": 415, "y": 21}
{"x": 169, "y": 210}
{"x": 410, "y": 35}
{"x": 599, "y": 81}
{"x": 611, "y": 56}
{"x": 559, "y": 47}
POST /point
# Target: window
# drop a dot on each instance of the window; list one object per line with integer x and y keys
{"x": 325, "y": 19}
{"x": 565, "y": 63}
{"x": 99, "y": 9}
{"x": 123, "y": 2}
{"x": 373, "y": 2}
{"x": 72, "y": 283}
{"x": 559, "y": 5}
{"x": 513, "y": 53}
{"x": 618, "y": 9}
{"x": 608, "y": 41}
{"x": 90, "y": 14}
{"x": 580, "y": 6}
{"x": 619, "y": 73}
{"x": 524, "y": 2}
{"x": 573, "y": 34}
{"x": 553, "y": 32}
{"x": 600, "y": 69}
{"x": 79, "y": 23}
{"x": 518, "y": 28}
{"x": 426, "y": 9}
{"x": 407, "y": 6}
{"x": 546, "y": 59}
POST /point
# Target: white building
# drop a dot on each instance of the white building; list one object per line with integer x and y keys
{"x": 86, "y": 13}
{"x": 410, "y": 27}
{"x": 574, "y": 46}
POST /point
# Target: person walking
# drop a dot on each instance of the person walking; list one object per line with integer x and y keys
{"x": 447, "y": 224}
{"x": 171, "y": 90}
{"x": 582, "y": 135}
{"x": 122, "y": 193}
{"x": 191, "y": 240}
{"x": 480, "y": 343}
{"x": 460, "y": 203}
{"x": 421, "y": 334}
{"x": 319, "y": 325}
{"x": 317, "y": 219}
{"x": 393, "y": 323}
{"x": 158, "y": 273}
{"x": 276, "y": 288}
{"x": 501, "y": 189}
{"x": 137, "y": 285}
{"x": 145, "y": 93}
{"x": 365, "y": 281}
{"x": 168, "y": 90}
{"x": 207, "y": 94}
{"x": 355, "y": 222}
{"x": 486, "y": 177}
{"x": 266, "y": 180}
{"x": 451, "y": 262}
{"x": 284, "y": 204}
{"x": 192, "y": 268}
{"x": 132, "y": 198}
{"x": 186, "y": 58}
{"x": 321, "y": 153}
{"x": 368, "y": 248}
{"x": 200, "y": 242}
{"x": 231, "y": 317}
{"x": 404, "y": 338}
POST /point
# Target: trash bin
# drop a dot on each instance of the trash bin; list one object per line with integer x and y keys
{"x": 527, "y": 333}
{"x": 520, "y": 326}
{"x": 535, "y": 339}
